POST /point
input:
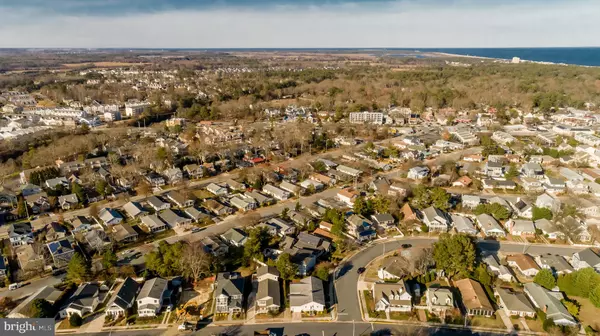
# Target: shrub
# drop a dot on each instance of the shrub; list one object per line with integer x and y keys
{"x": 75, "y": 320}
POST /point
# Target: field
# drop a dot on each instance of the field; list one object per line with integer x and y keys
{"x": 102, "y": 64}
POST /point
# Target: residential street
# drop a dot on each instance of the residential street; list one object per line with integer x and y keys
{"x": 32, "y": 287}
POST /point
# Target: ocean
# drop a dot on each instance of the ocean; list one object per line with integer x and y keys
{"x": 589, "y": 56}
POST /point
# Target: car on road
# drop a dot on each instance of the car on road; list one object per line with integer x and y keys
{"x": 15, "y": 285}
{"x": 405, "y": 246}
{"x": 195, "y": 230}
{"x": 361, "y": 270}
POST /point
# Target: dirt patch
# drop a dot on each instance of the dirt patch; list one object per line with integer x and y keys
{"x": 588, "y": 313}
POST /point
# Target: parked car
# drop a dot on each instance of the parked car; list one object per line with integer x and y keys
{"x": 360, "y": 270}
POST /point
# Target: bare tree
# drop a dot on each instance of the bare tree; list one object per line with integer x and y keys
{"x": 423, "y": 261}
{"x": 197, "y": 262}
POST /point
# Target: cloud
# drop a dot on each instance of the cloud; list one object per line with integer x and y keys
{"x": 293, "y": 24}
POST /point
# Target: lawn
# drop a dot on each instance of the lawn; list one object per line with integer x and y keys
{"x": 203, "y": 194}
{"x": 149, "y": 320}
{"x": 370, "y": 304}
{"x": 65, "y": 325}
{"x": 487, "y": 322}
{"x": 588, "y": 313}
{"x": 403, "y": 316}
{"x": 535, "y": 325}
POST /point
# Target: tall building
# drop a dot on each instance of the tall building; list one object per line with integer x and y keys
{"x": 366, "y": 117}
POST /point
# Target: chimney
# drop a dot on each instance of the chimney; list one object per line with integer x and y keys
{"x": 545, "y": 308}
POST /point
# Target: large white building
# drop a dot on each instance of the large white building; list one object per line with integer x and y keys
{"x": 366, "y": 118}
{"x": 135, "y": 109}
{"x": 58, "y": 112}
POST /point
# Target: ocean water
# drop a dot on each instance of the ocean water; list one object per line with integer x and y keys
{"x": 589, "y": 56}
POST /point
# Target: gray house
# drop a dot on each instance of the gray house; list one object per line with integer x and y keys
{"x": 235, "y": 237}
{"x": 549, "y": 302}
{"x": 435, "y": 219}
{"x": 586, "y": 258}
{"x": 229, "y": 293}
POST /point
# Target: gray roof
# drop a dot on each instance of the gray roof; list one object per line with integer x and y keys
{"x": 172, "y": 218}
{"x": 541, "y": 297}
{"x": 590, "y": 257}
{"x": 463, "y": 224}
{"x": 514, "y": 301}
{"x": 229, "y": 284}
{"x": 133, "y": 209}
{"x": 305, "y": 291}
{"x": 124, "y": 297}
{"x": 432, "y": 213}
{"x": 523, "y": 225}
{"x": 152, "y": 221}
{"x": 19, "y": 229}
{"x": 153, "y": 288}
{"x": 382, "y": 218}
{"x": 267, "y": 270}
{"x": 269, "y": 288}
{"x": 84, "y": 296}
{"x": 488, "y": 222}
{"x": 234, "y": 234}
{"x": 71, "y": 198}
{"x": 195, "y": 214}
{"x": 156, "y": 202}
{"x": 556, "y": 263}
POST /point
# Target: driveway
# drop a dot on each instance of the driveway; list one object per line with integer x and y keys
{"x": 507, "y": 322}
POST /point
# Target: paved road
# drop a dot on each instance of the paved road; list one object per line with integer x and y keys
{"x": 347, "y": 278}
{"x": 305, "y": 328}
{"x": 32, "y": 287}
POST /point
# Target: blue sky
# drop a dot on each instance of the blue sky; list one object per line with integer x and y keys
{"x": 298, "y": 23}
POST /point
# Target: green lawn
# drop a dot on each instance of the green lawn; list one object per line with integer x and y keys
{"x": 487, "y": 322}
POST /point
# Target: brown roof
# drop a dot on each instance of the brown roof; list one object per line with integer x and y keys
{"x": 408, "y": 212}
{"x": 348, "y": 193}
{"x": 523, "y": 261}
{"x": 464, "y": 180}
{"x": 473, "y": 295}
{"x": 321, "y": 178}
{"x": 323, "y": 233}
{"x": 326, "y": 226}
{"x": 591, "y": 173}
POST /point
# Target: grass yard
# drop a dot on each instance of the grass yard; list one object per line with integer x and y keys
{"x": 588, "y": 313}
{"x": 487, "y": 322}
{"x": 203, "y": 194}
{"x": 149, "y": 320}
{"x": 403, "y": 316}
{"x": 535, "y": 325}
{"x": 370, "y": 304}
{"x": 65, "y": 325}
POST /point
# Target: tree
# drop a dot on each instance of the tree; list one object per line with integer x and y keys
{"x": 512, "y": 172}
{"x": 41, "y": 308}
{"x": 595, "y": 296}
{"x": 539, "y": 213}
{"x": 381, "y": 204}
{"x": 455, "y": 254}
{"x": 258, "y": 240}
{"x": 545, "y": 278}
{"x": 322, "y": 271}
{"x": 197, "y": 262}
{"x": 93, "y": 210}
{"x": 167, "y": 260}
{"x": 109, "y": 259}
{"x": 78, "y": 190}
{"x": 287, "y": 269}
{"x": 298, "y": 207}
{"x": 440, "y": 198}
{"x": 77, "y": 269}
{"x": 22, "y": 210}
{"x": 285, "y": 213}
{"x": 360, "y": 206}
{"x": 497, "y": 210}
{"x": 572, "y": 306}
{"x": 75, "y": 320}
{"x": 483, "y": 275}
{"x": 421, "y": 198}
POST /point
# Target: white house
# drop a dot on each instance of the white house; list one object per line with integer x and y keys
{"x": 392, "y": 297}
{"x": 122, "y": 299}
{"x": 307, "y": 296}
{"x": 417, "y": 173}
{"x": 151, "y": 297}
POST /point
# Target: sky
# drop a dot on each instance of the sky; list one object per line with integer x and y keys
{"x": 298, "y": 23}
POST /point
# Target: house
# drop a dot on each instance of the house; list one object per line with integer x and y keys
{"x": 498, "y": 184}
{"x": 124, "y": 233}
{"x": 174, "y": 219}
{"x": 217, "y": 189}
{"x": 193, "y": 171}
{"x": 474, "y": 299}
{"x": 289, "y": 187}
{"x": 196, "y": 215}
{"x": 229, "y": 293}
{"x": 173, "y": 175}
{"x": 522, "y": 208}
{"x": 217, "y": 208}
{"x": 548, "y": 202}
{"x": 81, "y": 224}
{"x": 514, "y": 303}
{"x": 548, "y": 228}
{"x": 234, "y": 185}
{"x": 398, "y": 190}
{"x": 439, "y": 300}
{"x": 157, "y": 204}
{"x": 347, "y": 195}
{"x": 278, "y": 226}
{"x": 549, "y": 302}
{"x": 38, "y": 203}
{"x": 243, "y": 203}
{"x": 134, "y": 210}
{"x": 418, "y": 173}
{"x": 524, "y": 263}
{"x": 83, "y": 301}
{"x": 490, "y": 226}
{"x": 348, "y": 171}
{"x": 307, "y": 296}
{"x": 151, "y": 297}
{"x": 392, "y": 297}
{"x": 97, "y": 240}
{"x": 463, "y": 224}
{"x": 56, "y": 182}
{"x": 275, "y": 192}
{"x": 154, "y": 179}
{"x": 493, "y": 169}
{"x": 123, "y": 298}
{"x": 502, "y": 272}
{"x": 153, "y": 223}
{"x": 23, "y": 310}
{"x": 360, "y": 228}
{"x": 20, "y": 234}
{"x": 462, "y": 182}
{"x": 326, "y": 180}
{"x": 214, "y": 245}
{"x": 384, "y": 220}
{"x": 299, "y": 218}
{"x": 68, "y": 202}
{"x": 532, "y": 185}
{"x": 393, "y": 268}
{"x": 259, "y": 198}
{"x": 554, "y": 185}
{"x": 235, "y": 237}
{"x": 311, "y": 242}
{"x": 521, "y": 227}
{"x": 309, "y": 184}
{"x": 61, "y": 252}
{"x": 110, "y": 216}
{"x": 29, "y": 189}
{"x": 268, "y": 295}
{"x": 55, "y": 231}
{"x": 30, "y": 257}
{"x": 470, "y": 201}
{"x": 532, "y": 170}
{"x": 554, "y": 262}
{"x": 435, "y": 219}
{"x": 586, "y": 258}
{"x": 179, "y": 199}
{"x": 408, "y": 212}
